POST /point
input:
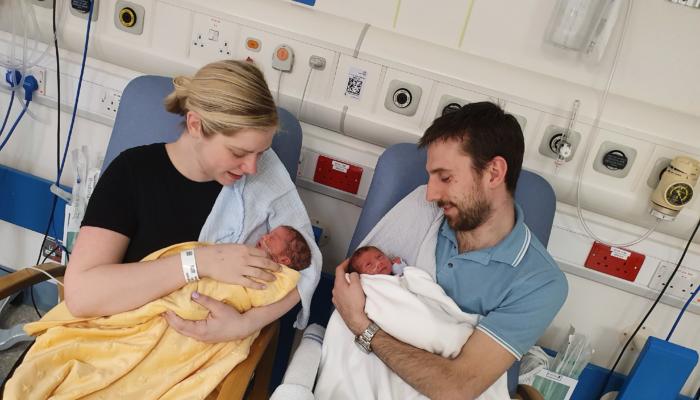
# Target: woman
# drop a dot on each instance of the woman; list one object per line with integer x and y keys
{"x": 157, "y": 195}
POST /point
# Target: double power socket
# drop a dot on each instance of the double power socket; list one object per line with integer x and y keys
{"x": 683, "y": 284}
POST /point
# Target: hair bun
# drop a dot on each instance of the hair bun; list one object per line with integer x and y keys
{"x": 182, "y": 86}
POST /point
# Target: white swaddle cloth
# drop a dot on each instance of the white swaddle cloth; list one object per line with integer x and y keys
{"x": 256, "y": 204}
{"x": 413, "y": 309}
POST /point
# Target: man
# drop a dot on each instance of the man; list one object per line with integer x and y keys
{"x": 487, "y": 260}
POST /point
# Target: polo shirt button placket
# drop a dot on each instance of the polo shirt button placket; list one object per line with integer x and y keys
{"x": 449, "y": 265}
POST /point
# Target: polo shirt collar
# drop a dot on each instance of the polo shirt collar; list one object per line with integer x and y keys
{"x": 510, "y": 250}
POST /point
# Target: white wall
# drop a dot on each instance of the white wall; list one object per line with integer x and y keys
{"x": 469, "y": 50}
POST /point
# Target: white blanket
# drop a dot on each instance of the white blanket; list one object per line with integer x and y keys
{"x": 253, "y": 206}
{"x": 414, "y": 309}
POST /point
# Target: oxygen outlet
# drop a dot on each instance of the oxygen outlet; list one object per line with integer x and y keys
{"x": 127, "y": 17}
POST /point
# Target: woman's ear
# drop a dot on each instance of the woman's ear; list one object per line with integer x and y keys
{"x": 193, "y": 123}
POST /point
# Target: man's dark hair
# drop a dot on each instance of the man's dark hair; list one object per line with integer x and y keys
{"x": 356, "y": 255}
{"x": 299, "y": 251}
{"x": 485, "y": 131}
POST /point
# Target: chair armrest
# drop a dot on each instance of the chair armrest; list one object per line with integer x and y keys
{"x": 236, "y": 382}
{"x": 23, "y": 278}
{"x": 527, "y": 392}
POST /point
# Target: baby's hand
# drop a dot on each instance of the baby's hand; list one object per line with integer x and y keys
{"x": 396, "y": 260}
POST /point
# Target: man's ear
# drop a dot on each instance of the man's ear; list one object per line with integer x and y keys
{"x": 193, "y": 123}
{"x": 495, "y": 171}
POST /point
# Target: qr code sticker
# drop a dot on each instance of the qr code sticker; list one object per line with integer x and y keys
{"x": 356, "y": 80}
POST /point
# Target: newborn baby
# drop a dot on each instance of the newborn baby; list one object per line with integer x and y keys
{"x": 286, "y": 246}
{"x": 372, "y": 261}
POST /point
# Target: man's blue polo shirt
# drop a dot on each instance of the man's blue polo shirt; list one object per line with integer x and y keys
{"x": 515, "y": 285}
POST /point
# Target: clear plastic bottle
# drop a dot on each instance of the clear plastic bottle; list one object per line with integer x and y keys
{"x": 573, "y": 22}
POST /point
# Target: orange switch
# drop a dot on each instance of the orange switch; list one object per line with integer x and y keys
{"x": 282, "y": 54}
{"x": 253, "y": 44}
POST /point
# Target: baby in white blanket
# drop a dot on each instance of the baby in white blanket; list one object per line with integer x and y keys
{"x": 411, "y": 307}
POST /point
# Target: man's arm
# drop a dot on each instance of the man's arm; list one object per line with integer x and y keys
{"x": 480, "y": 363}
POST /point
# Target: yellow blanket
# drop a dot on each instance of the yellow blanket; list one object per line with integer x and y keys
{"x": 135, "y": 354}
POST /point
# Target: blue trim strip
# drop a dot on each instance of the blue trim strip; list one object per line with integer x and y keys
{"x": 25, "y": 200}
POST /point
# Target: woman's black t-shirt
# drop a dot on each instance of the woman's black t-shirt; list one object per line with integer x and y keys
{"x": 143, "y": 196}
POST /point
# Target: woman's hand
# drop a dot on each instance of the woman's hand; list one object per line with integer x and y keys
{"x": 235, "y": 264}
{"x": 224, "y": 323}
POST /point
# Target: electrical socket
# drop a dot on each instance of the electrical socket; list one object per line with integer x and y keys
{"x": 109, "y": 101}
{"x": 639, "y": 339}
{"x": 40, "y": 75}
{"x": 51, "y": 250}
{"x": 683, "y": 284}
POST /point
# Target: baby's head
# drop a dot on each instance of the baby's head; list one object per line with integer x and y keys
{"x": 287, "y": 246}
{"x": 370, "y": 260}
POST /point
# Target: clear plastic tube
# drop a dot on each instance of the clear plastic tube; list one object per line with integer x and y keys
{"x": 24, "y": 11}
{"x": 594, "y": 134}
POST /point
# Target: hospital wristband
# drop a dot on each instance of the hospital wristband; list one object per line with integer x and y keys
{"x": 189, "y": 266}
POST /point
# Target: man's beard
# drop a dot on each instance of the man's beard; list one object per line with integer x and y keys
{"x": 471, "y": 213}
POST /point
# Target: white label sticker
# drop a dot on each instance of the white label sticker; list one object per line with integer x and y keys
{"x": 620, "y": 253}
{"x": 356, "y": 80}
{"x": 565, "y": 383}
{"x": 340, "y": 167}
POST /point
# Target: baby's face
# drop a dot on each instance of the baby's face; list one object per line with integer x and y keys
{"x": 275, "y": 244}
{"x": 373, "y": 262}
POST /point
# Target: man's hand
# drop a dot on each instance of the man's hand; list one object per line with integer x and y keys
{"x": 349, "y": 299}
{"x": 223, "y": 323}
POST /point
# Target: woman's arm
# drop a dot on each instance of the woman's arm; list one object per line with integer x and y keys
{"x": 98, "y": 284}
{"x": 224, "y": 323}
{"x": 259, "y": 317}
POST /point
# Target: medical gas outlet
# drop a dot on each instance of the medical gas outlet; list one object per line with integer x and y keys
{"x": 81, "y": 8}
{"x": 129, "y": 16}
{"x": 402, "y": 97}
{"x": 558, "y": 144}
{"x": 675, "y": 189}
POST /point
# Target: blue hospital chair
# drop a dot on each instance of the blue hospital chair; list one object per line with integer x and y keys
{"x": 141, "y": 119}
{"x": 400, "y": 169}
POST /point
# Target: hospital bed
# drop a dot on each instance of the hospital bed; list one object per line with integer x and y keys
{"x": 399, "y": 170}
{"x": 141, "y": 119}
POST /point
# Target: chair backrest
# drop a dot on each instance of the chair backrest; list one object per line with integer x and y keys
{"x": 142, "y": 119}
{"x": 401, "y": 168}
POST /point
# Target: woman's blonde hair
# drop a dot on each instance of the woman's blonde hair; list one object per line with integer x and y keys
{"x": 228, "y": 96}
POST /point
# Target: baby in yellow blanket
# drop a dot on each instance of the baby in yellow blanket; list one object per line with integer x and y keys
{"x": 135, "y": 354}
